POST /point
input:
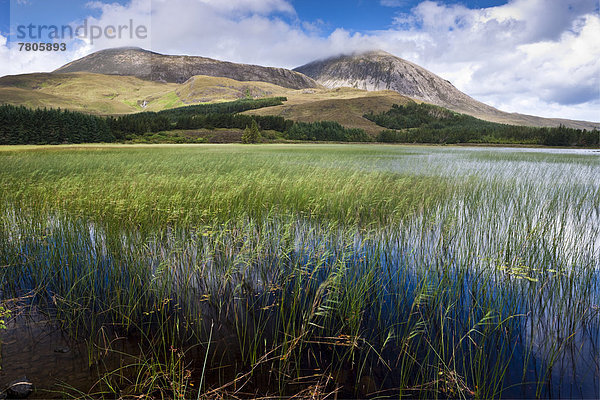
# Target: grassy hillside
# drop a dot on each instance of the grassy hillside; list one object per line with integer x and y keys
{"x": 117, "y": 95}
{"x": 202, "y": 89}
{"x": 104, "y": 94}
{"x": 344, "y": 105}
{"x": 93, "y": 93}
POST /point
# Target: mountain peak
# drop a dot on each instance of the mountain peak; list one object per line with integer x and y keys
{"x": 145, "y": 64}
{"x": 378, "y": 70}
{"x": 123, "y": 48}
{"x": 374, "y": 53}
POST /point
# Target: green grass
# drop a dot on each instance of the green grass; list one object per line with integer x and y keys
{"x": 305, "y": 270}
{"x": 197, "y": 185}
{"x": 169, "y": 100}
{"x": 133, "y": 104}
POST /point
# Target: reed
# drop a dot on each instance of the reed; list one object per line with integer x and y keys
{"x": 366, "y": 271}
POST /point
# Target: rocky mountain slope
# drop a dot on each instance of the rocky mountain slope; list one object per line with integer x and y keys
{"x": 378, "y": 70}
{"x": 153, "y": 66}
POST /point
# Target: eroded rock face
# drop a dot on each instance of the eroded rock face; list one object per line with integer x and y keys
{"x": 378, "y": 70}
{"x": 178, "y": 69}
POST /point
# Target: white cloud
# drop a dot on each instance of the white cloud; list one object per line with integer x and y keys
{"x": 13, "y": 61}
{"x": 4, "y": 57}
{"x": 529, "y": 56}
{"x": 539, "y": 57}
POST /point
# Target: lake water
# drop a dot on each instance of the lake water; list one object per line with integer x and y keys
{"x": 524, "y": 237}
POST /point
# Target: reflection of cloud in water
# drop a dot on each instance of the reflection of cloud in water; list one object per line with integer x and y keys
{"x": 528, "y": 220}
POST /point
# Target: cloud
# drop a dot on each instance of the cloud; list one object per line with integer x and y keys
{"x": 543, "y": 19}
{"x": 4, "y": 57}
{"x": 531, "y": 56}
{"x": 546, "y": 52}
{"x": 14, "y": 62}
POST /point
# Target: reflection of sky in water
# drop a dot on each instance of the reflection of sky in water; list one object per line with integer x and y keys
{"x": 542, "y": 204}
{"x": 415, "y": 249}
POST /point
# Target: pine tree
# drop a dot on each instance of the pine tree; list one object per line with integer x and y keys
{"x": 251, "y": 134}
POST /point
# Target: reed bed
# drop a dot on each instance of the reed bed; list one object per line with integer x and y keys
{"x": 312, "y": 271}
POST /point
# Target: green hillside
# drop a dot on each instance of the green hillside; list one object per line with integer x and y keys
{"x": 91, "y": 93}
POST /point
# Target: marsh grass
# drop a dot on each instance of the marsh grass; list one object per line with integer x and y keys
{"x": 177, "y": 187}
{"x": 312, "y": 270}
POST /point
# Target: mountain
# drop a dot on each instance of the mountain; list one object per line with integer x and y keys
{"x": 344, "y": 88}
{"x": 378, "y": 70}
{"x": 117, "y": 95}
{"x": 144, "y": 64}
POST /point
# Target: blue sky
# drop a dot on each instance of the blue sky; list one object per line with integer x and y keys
{"x": 4, "y": 16}
{"x": 365, "y": 15}
{"x": 40, "y": 12}
{"x": 328, "y": 15}
{"x": 354, "y": 15}
{"x": 540, "y": 57}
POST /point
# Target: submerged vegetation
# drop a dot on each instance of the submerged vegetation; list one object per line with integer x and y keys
{"x": 366, "y": 271}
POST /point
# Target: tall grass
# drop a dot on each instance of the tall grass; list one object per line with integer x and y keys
{"x": 309, "y": 270}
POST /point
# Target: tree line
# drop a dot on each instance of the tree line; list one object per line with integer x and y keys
{"x": 21, "y": 125}
{"x": 426, "y": 123}
{"x": 326, "y": 131}
{"x": 228, "y": 107}
{"x": 236, "y": 121}
{"x": 200, "y": 116}
{"x": 411, "y": 123}
{"x": 126, "y": 126}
